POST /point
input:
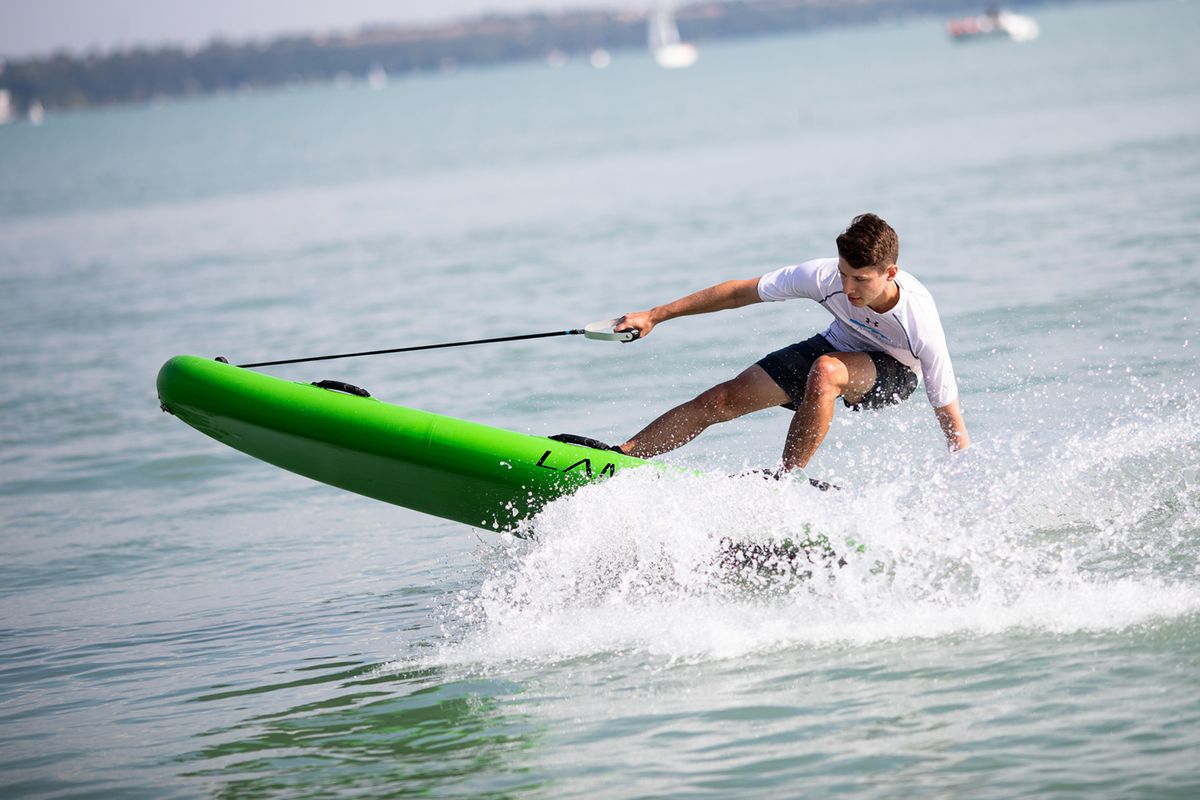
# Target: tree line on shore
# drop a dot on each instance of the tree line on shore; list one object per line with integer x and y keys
{"x": 142, "y": 74}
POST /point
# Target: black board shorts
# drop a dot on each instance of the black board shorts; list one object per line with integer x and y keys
{"x": 789, "y": 367}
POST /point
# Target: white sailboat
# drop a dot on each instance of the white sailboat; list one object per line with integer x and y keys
{"x": 7, "y": 114}
{"x": 663, "y": 36}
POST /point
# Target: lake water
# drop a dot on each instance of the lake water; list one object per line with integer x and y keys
{"x": 178, "y": 620}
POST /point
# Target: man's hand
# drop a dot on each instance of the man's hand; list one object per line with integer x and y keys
{"x": 640, "y": 321}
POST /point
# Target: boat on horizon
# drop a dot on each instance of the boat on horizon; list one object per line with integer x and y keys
{"x": 995, "y": 23}
{"x": 662, "y": 35}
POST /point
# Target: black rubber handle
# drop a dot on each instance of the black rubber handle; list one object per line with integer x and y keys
{"x": 340, "y": 386}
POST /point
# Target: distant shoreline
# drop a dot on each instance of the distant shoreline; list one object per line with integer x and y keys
{"x": 143, "y": 74}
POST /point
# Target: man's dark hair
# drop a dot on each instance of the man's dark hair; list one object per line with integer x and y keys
{"x": 869, "y": 242}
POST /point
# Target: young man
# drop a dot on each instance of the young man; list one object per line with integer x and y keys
{"x": 885, "y": 326}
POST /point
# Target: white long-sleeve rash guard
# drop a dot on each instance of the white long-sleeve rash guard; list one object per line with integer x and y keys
{"x": 911, "y": 332}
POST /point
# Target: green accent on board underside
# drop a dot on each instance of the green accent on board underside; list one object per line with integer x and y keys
{"x": 451, "y": 468}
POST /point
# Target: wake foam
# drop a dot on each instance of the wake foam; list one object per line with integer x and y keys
{"x": 1094, "y": 531}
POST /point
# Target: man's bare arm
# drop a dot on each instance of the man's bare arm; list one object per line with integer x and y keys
{"x": 730, "y": 294}
{"x": 951, "y": 421}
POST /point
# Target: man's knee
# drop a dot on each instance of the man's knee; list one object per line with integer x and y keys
{"x": 827, "y": 374}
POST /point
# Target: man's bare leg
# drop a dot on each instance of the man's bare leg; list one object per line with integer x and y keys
{"x": 832, "y": 376}
{"x": 752, "y": 390}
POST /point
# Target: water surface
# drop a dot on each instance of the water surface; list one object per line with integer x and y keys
{"x": 177, "y": 620}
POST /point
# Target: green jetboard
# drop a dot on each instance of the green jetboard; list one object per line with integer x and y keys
{"x": 463, "y": 471}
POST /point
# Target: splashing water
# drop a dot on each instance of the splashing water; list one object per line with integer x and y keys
{"x": 1087, "y": 531}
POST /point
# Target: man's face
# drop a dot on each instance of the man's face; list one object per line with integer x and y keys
{"x": 867, "y": 286}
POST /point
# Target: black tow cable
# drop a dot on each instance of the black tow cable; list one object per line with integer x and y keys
{"x": 574, "y": 332}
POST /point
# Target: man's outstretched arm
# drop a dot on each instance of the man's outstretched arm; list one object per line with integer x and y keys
{"x": 730, "y": 294}
{"x": 950, "y": 419}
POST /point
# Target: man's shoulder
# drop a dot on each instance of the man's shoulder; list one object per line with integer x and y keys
{"x": 911, "y": 284}
{"x": 919, "y": 313}
{"x": 820, "y": 270}
{"x": 822, "y": 264}
{"x": 805, "y": 279}
{"x": 812, "y": 266}
{"x": 918, "y": 302}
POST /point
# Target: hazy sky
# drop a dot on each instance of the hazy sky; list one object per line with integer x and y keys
{"x": 38, "y": 27}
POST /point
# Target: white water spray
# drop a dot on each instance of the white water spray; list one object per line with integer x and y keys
{"x": 1095, "y": 531}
